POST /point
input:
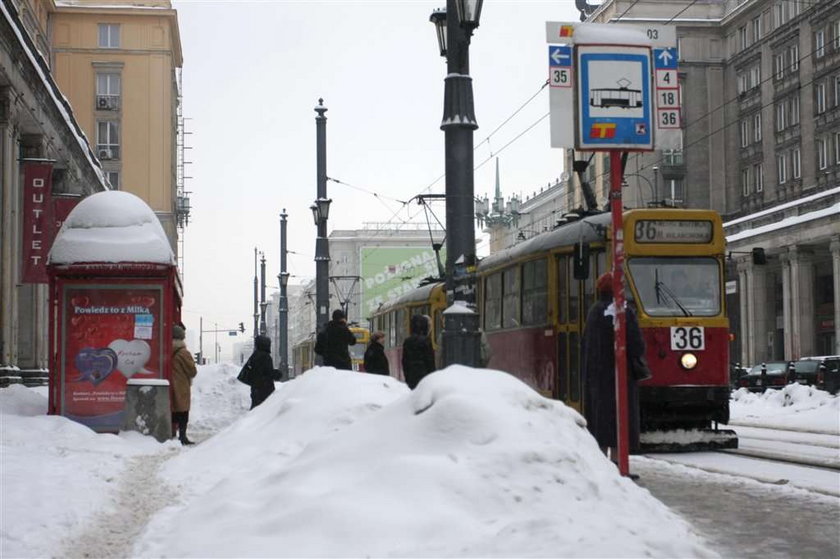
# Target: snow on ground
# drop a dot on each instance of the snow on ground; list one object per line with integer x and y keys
{"x": 796, "y": 407}
{"x": 472, "y": 463}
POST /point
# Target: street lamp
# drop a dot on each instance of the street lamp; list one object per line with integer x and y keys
{"x": 320, "y": 212}
{"x": 283, "y": 310}
{"x": 460, "y": 333}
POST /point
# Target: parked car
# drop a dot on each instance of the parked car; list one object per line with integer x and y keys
{"x": 772, "y": 374}
{"x": 736, "y": 371}
{"x": 821, "y": 371}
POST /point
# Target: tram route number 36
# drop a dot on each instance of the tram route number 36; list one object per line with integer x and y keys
{"x": 687, "y": 338}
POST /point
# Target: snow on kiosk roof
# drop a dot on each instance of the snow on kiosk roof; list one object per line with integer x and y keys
{"x": 111, "y": 226}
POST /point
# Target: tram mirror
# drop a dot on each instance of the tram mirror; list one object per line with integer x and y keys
{"x": 758, "y": 256}
{"x": 580, "y": 261}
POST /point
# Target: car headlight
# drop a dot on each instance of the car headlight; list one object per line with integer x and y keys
{"x": 688, "y": 361}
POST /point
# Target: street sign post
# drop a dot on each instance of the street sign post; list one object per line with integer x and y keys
{"x": 625, "y": 96}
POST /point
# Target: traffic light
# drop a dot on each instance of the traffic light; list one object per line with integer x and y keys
{"x": 241, "y": 327}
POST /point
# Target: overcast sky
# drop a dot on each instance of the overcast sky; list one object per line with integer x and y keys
{"x": 253, "y": 73}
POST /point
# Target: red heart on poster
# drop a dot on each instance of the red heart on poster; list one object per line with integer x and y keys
{"x": 92, "y": 330}
{"x": 80, "y": 301}
{"x": 76, "y": 320}
{"x": 147, "y": 301}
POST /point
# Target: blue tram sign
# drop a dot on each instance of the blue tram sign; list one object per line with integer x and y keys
{"x": 615, "y": 106}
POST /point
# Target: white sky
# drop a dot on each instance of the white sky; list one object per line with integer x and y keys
{"x": 338, "y": 464}
{"x": 253, "y": 73}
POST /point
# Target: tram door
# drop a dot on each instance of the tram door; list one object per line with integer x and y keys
{"x": 574, "y": 297}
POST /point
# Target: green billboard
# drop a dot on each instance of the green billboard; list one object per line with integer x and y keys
{"x": 388, "y": 272}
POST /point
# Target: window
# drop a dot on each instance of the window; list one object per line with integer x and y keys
{"x": 745, "y": 133}
{"x": 757, "y": 127}
{"x": 743, "y": 82}
{"x": 745, "y": 181}
{"x": 837, "y": 147}
{"x": 794, "y": 110}
{"x": 493, "y": 302}
{"x": 114, "y": 179}
{"x": 107, "y": 139}
{"x": 534, "y": 292}
{"x": 781, "y": 168}
{"x": 819, "y": 43}
{"x": 819, "y": 93}
{"x": 755, "y": 76}
{"x": 781, "y": 121}
{"x": 510, "y": 299}
{"x": 835, "y": 34}
{"x": 109, "y": 36}
{"x": 793, "y": 58}
{"x": 758, "y": 177}
{"x": 836, "y": 91}
{"x": 756, "y": 29}
{"x": 796, "y": 163}
{"x": 822, "y": 154}
{"x": 107, "y": 91}
{"x": 778, "y": 66}
{"x": 778, "y": 14}
{"x": 742, "y": 37}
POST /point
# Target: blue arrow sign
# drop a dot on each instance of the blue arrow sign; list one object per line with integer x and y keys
{"x": 560, "y": 56}
{"x": 665, "y": 58}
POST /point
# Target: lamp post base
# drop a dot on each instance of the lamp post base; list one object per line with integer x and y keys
{"x": 461, "y": 339}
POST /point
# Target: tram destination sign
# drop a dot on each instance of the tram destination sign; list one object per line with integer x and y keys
{"x": 673, "y": 231}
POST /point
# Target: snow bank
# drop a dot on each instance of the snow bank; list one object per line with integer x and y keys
{"x": 56, "y": 473}
{"x": 111, "y": 226}
{"x": 218, "y": 399}
{"x": 472, "y": 463}
{"x": 796, "y": 407}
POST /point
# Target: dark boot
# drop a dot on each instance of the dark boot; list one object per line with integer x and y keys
{"x": 182, "y": 430}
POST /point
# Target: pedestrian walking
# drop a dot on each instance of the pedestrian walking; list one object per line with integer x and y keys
{"x": 183, "y": 371}
{"x": 334, "y": 342}
{"x": 418, "y": 357}
{"x": 376, "y": 361}
{"x": 598, "y": 369}
{"x": 262, "y": 372}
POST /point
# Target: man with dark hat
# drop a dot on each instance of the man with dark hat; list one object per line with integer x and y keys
{"x": 334, "y": 342}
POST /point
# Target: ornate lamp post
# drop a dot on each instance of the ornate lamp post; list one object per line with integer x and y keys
{"x": 283, "y": 310}
{"x": 454, "y": 28}
{"x": 263, "y": 303}
{"x": 320, "y": 212}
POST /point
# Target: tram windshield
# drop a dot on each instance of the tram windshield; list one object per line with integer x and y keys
{"x": 672, "y": 286}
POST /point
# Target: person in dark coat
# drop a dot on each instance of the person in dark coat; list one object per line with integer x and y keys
{"x": 418, "y": 357}
{"x": 375, "y": 360}
{"x": 263, "y": 373}
{"x": 334, "y": 342}
{"x": 183, "y": 371}
{"x": 598, "y": 369}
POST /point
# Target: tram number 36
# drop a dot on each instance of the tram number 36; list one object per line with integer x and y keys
{"x": 687, "y": 338}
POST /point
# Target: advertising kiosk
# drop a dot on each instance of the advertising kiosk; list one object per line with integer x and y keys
{"x": 114, "y": 295}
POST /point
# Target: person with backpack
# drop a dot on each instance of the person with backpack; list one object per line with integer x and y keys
{"x": 333, "y": 342}
{"x": 418, "y": 358}
{"x": 260, "y": 372}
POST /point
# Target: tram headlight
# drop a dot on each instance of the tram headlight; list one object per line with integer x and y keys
{"x": 688, "y": 361}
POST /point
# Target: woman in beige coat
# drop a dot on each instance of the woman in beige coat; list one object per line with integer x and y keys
{"x": 183, "y": 371}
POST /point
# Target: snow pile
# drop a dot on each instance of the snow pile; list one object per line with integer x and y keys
{"x": 218, "y": 399}
{"x": 796, "y": 406}
{"x": 111, "y": 226}
{"x": 56, "y": 473}
{"x": 472, "y": 463}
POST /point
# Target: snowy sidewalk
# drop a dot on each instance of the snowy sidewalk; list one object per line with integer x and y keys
{"x": 745, "y": 518}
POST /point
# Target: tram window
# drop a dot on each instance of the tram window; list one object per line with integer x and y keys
{"x": 493, "y": 302}
{"x": 574, "y": 367}
{"x": 399, "y": 325}
{"x": 392, "y": 331}
{"x": 677, "y": 286}
{"x": 534, "y": 292}
{"x": 562, "y": 288}
{"x": 574, "y": 297}
{"x": 510, "y": 301}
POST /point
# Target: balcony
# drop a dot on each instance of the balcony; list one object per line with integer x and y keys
{"x": 673, "y": 165}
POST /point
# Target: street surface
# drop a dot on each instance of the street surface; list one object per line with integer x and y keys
{"x": 742, "y": 517}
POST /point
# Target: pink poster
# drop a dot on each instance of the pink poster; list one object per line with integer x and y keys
{"x": 112, "y": 333}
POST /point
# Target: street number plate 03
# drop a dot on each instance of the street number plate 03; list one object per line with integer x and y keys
{"x": 687, "y": 338}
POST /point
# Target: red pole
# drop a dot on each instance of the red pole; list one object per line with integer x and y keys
{"x": 622, "y": 426}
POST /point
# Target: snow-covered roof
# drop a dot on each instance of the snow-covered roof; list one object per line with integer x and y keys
{"x": 784, "y": 223}
{"x": 111, "y": 226}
